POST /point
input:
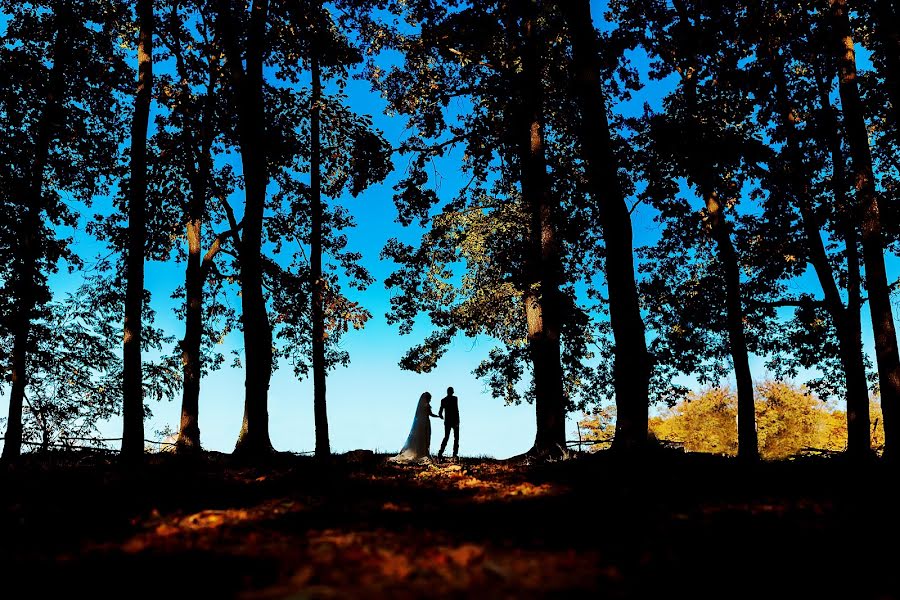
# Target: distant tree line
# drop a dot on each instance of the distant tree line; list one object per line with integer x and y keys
{"x": 770, "y": 165}
{"x": 791, "y": 422}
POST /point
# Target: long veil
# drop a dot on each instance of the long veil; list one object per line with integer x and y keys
{"x": 418, "y": 443}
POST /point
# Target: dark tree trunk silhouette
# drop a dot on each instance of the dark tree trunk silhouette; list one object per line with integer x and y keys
{"x": 25, "y": 269}
{"x": 886, "y": 352}
{"x": 887, "y": 28}
{"x": 542, "y": 294}
{"x": 189, "y": 430}
{"x": 748, "y": 445}
{"x": 631, "y": 366}
{"x": 323, "y": 448}
{"x": 196, "y": 273}
{"x": 253, "y": 438}
{"x": 852, "y": 348}
{"x": 719, "y": 229}
{"x": 857, "y": 392}
{"x": 132, "y": 380}
{"x": 25, "y": 265}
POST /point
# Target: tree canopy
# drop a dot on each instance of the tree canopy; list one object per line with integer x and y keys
{"x": 740, "y": 225}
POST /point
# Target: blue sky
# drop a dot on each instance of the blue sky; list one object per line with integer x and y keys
{"x": 370, "y": 403}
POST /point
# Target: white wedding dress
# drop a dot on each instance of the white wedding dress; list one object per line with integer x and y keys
{"x": 418, "y": 445}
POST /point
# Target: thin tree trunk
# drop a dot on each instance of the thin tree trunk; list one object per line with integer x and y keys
{"x": 253, "y": 438}
{"x": 748, "y": 445}
{"x": 189, "y": 431}
{"x": 542, "y": 295}
{"x": 132, "y": 381}
{"x": 25, "y": 264}
{"x": 195, "y": 278}
{"x": 887, "y": 28}
{"x": 631, "y": 366}
{"x": 717, "y": 223}
{"x": 852, "y": 357}
{"x": 886, "y": 351}
{"x": 323, "y": 448}
{"x": 857, "y": 393}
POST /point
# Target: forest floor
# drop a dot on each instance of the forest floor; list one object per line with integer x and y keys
{"x": 669, "y": 525}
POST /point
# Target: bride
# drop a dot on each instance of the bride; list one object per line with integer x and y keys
{"x": 418, "y": 444}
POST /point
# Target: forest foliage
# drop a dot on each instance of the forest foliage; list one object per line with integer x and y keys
{"x": 767, "y": 163}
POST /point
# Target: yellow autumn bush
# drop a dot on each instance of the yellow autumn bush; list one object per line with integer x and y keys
{"x": 789, "y": 421}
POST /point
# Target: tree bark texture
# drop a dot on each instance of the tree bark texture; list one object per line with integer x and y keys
{"x": 542, "y": 294}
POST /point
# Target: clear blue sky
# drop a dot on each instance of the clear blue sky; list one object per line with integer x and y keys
{"x": 371, "y": 403}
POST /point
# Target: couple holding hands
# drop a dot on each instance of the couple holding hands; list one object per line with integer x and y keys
{"x": 418, "y": 444}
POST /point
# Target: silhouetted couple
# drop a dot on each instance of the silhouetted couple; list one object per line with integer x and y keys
{"x": 418, "y": 444}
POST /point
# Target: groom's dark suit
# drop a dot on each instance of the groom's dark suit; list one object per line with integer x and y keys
{"x": 450, "y": 412}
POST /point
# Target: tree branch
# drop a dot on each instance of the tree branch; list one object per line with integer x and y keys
{"x": 430, "y": 149}
{"x": 216, "y": 247}
{"x": 229, "y": 214}
{"x": 634, "y": 206}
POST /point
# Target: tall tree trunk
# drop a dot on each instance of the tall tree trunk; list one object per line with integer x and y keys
{"x": 857, "y": 393}
{"x": 323, "y": 448}
{"x": 859, "y": 440}
{"x": 189, "y": 430}
{"x": 852, "y": 357}
{"x": 852, "y": 349}
{"x": 195, "y": 277}
{"x": 25, "y": 264}
{"x": 748, "y": 445}
{"x": 542, "y": 294}
{"x": 631, "y": 366}
{"x": 727, "y": 256}
{"x": 886, "y": 351}
{"x": 132, "y": 380}
{"x": 887, "y": 28}
{"x": 253, "y": 438}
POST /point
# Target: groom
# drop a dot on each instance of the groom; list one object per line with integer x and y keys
{"x": 450, "y": 406}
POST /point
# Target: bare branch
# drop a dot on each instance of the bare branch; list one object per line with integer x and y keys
{"x": 229, "y": 214}
{"x": 635, "y": 205}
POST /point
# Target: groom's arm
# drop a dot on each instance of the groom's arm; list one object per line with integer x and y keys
{"x": 441, "y": 410}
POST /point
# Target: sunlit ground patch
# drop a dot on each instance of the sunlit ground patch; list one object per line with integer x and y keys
{"x": 402, "y": 564}
{"x": 172, "y": 530}
{"x": 488, "y": 483}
